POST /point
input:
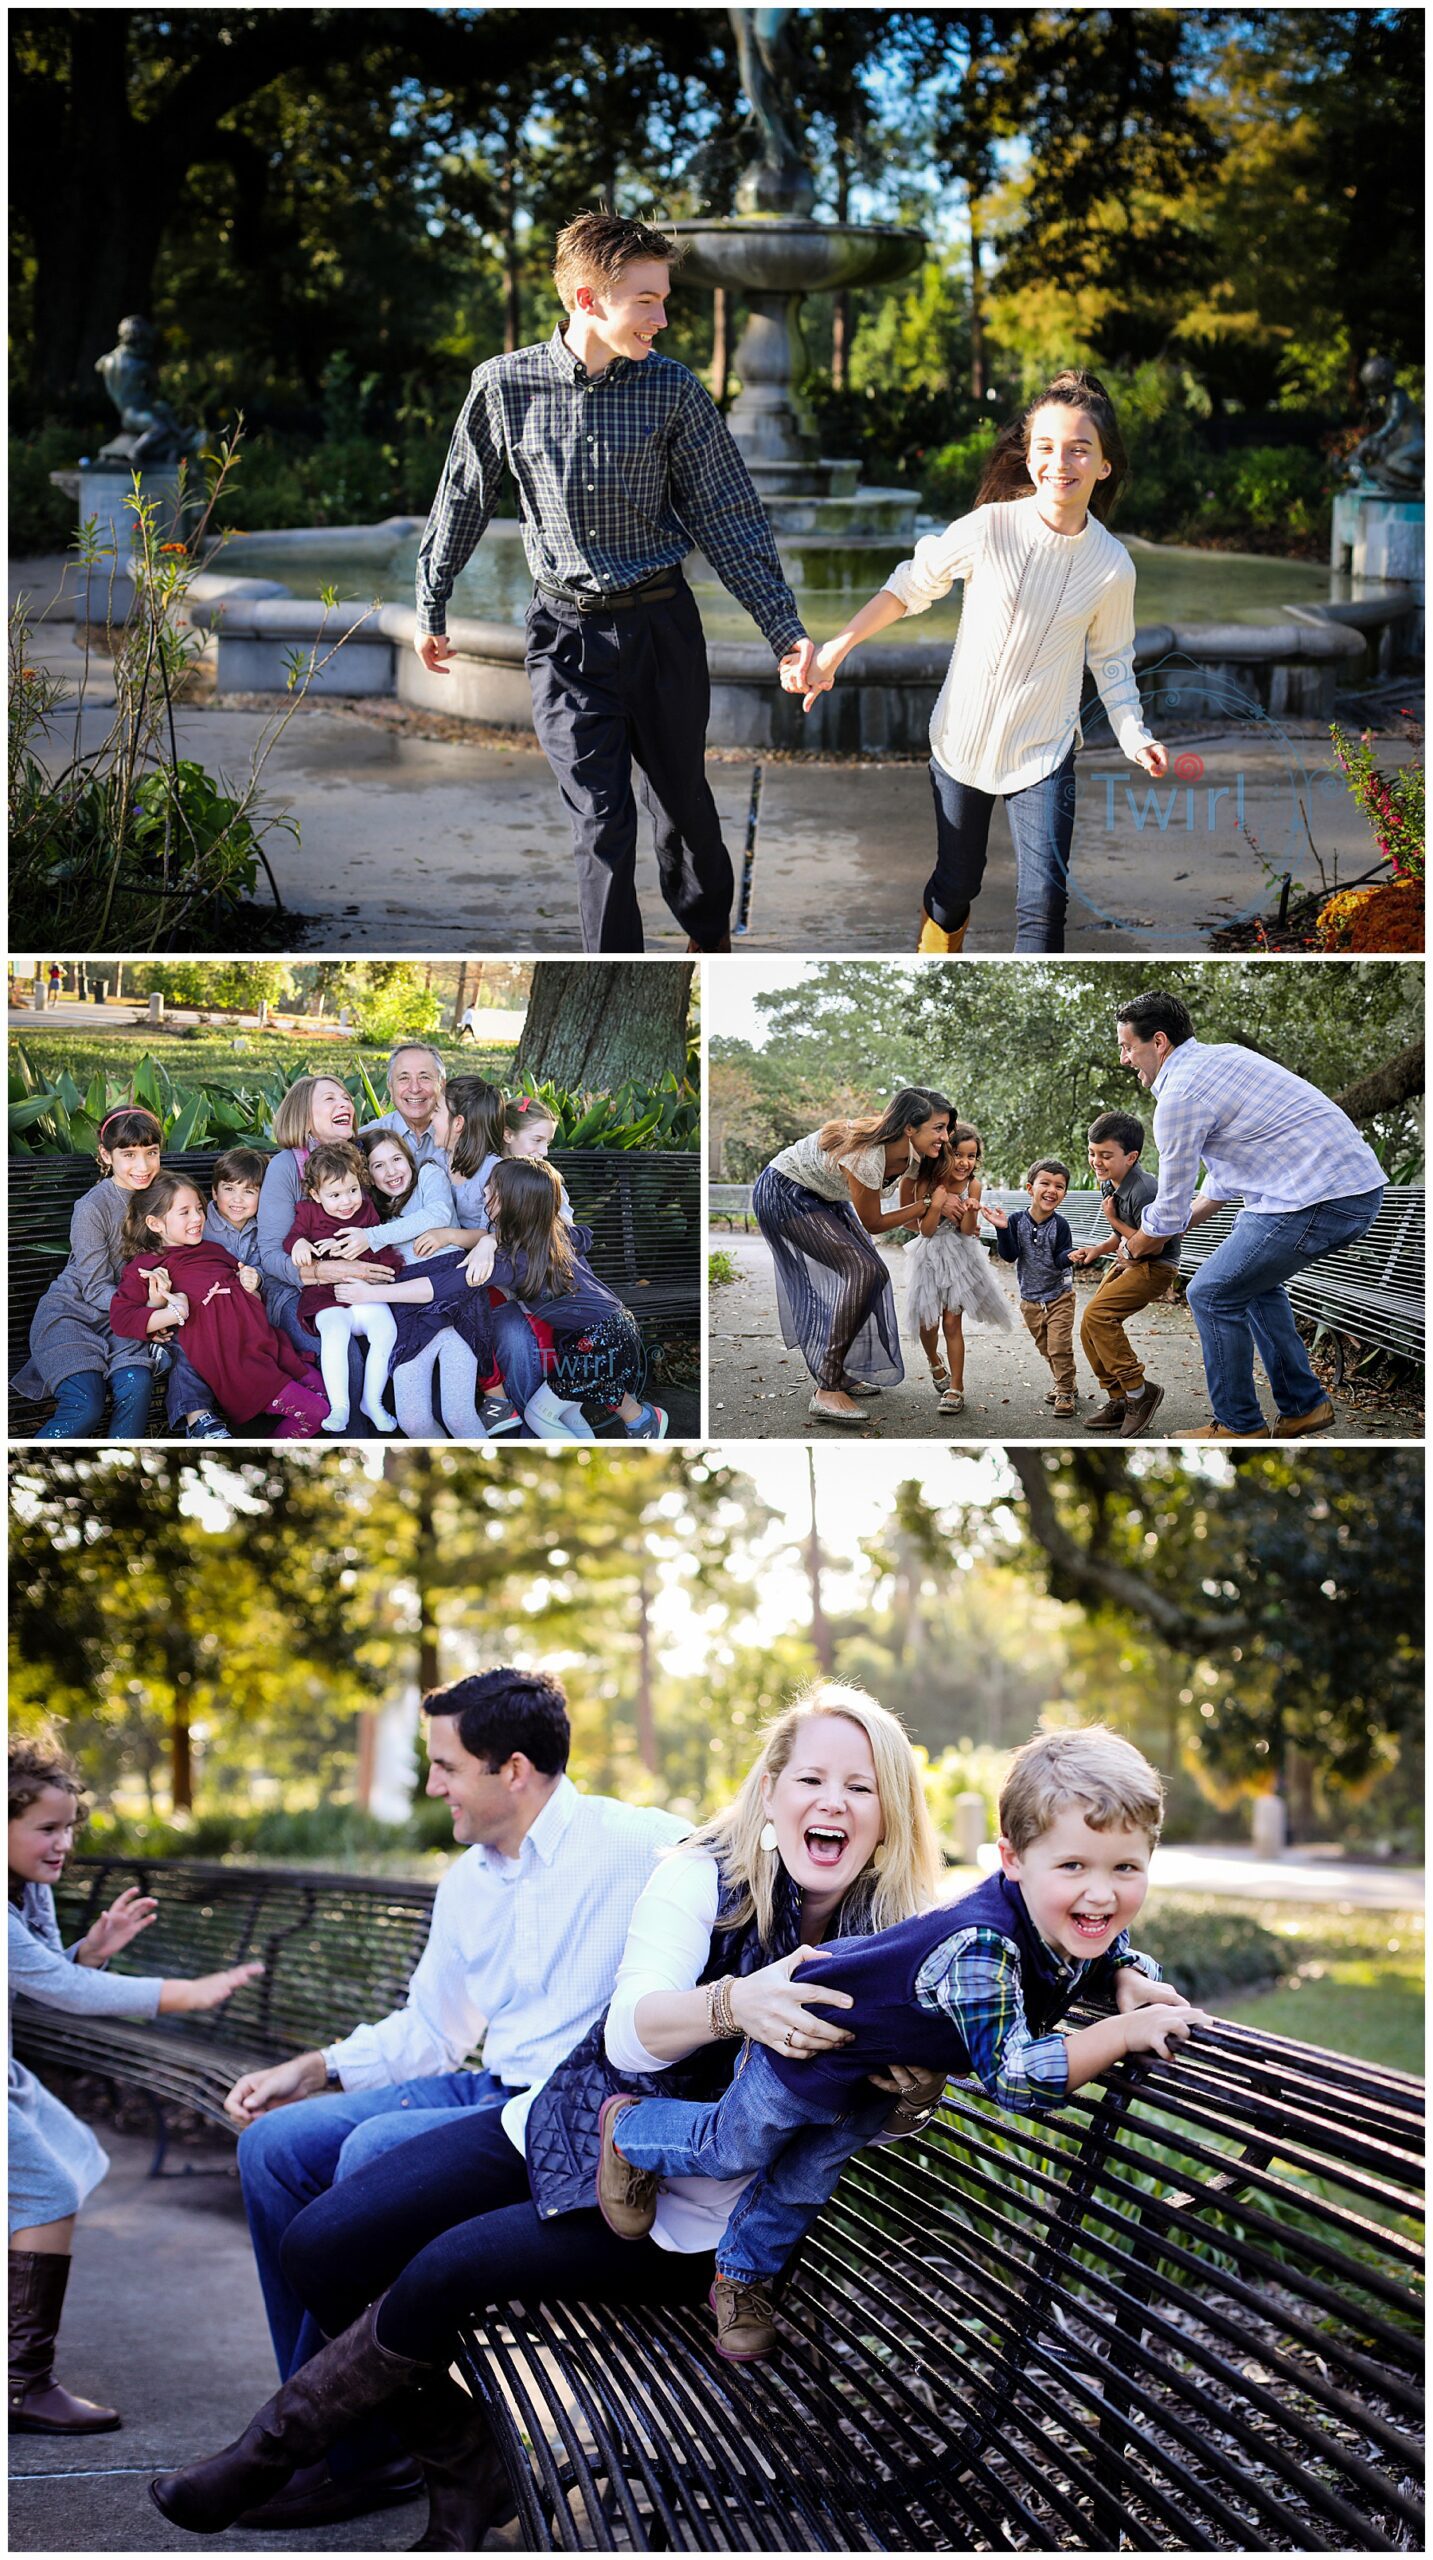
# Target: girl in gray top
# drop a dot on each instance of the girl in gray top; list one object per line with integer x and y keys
{"x": 54, "y": 2157}
{"x": 73, "y": 1351}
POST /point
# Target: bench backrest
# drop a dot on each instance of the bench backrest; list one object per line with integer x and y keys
{"x": 1374, "y": 1288}
{"x": 729, "y": 1199}
{"x": 644, "y": 1209}
{"x": 337, "y": 1949}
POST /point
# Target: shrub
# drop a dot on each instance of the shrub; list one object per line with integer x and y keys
{"x": 721, "y": 1270}
{"x": 1271, "y": 494}
{"x": 41, "y": 518}
{"x": 951, "y": 473}
{"x": 1388, "y": 918}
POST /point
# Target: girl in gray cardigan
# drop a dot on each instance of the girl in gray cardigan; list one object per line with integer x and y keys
{"x": 55, "y": 2159}
{"x": 73, "y": 1350}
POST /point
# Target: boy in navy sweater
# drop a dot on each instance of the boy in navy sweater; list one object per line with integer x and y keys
{"x": 973, "y": 1988}
{"x": 1038, "y": 1241}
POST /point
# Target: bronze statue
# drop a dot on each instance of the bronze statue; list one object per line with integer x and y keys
{"x": 777, "y": 180}
{"x": 1391, "y": 459}
{"x": 151, "y": 433}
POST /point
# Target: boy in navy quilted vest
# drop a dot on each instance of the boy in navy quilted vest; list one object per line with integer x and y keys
{"x": 973, "y": 1988}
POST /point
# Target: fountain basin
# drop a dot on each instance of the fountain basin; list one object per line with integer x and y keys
{"x": 777, "y": 254}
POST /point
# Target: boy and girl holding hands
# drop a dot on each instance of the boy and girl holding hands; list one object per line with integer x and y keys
{"x": 151, "y": 1261}
{"x": 624, "y": 465}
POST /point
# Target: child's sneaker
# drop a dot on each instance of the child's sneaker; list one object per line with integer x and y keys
{"x": 1064, "y": 1408}
{"x": 626, "y": 2197}
{"x": 497, "y": 1413}
{"x": 651, "y": 1424}
{"x": 206, "y": 1426}
{"x": 746, "y": 2324}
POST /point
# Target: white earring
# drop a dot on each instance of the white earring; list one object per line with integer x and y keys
{"x": 766, "y": 1839}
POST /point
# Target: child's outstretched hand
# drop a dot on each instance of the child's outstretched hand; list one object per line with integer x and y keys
{"x": 478, "y": 1268}
{"x": 991, "y": 1209}
{"x": 1154, "y": 758}
{"x": 126, "y": 1916}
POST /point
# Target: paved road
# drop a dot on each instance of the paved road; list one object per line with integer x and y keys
{"x": 1318, "y": 1875}
{"x": 760, "y": 1391}
{"x": 423, "y": 833}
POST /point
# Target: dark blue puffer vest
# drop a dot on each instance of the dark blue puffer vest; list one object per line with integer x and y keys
{"x": 562, "y": 2138}
{"x": 888, "y": 2024}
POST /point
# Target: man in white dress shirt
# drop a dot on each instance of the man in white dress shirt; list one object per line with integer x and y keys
{"x": 1308, "y": 1182}
{"x": 527, "y": 1932}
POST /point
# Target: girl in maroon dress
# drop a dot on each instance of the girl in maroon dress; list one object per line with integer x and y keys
{"x": 173, "y": 1277}
{"x": 337, "y": 1203}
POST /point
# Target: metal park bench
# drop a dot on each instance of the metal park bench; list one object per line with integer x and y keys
{"x": 644, "y": 1209}
{"x": 730, "y": 1201}
{"x": 1182, "y": 2313}
{"x": 336, "y": 1949}
{"x": 1366, "y": 1296}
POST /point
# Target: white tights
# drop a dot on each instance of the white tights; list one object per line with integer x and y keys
{"x": 457, "y": 1376}
{"x": 336, "y": 1327}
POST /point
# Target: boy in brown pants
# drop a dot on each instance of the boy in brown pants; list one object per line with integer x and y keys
{"x": 1039, "y": 1242}
{"x": 1132, "y": 1400}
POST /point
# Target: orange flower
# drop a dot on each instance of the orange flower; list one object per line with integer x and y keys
{"x": 171, "y": 546}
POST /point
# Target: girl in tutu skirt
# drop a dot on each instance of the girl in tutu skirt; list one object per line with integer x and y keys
{"x": 949, "y": 1281}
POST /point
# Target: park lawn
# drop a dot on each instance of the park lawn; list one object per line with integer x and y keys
{"x": 239, "y": 1057}
{"x": 1354, "y": 1983}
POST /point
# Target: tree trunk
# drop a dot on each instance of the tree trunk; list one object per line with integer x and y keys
{"x": 512, "y": 290}
{"x": 646, "y": 1720}
{"x": 1399, "y": 1079}
{"x": 721, "y": 346}
{"x": 181, "y": 1759}
{"x": 460, "y": 996}
{"x": 367, "y": 1746}
{"x": 977, "y": 305}
{"x": 841, "y": 309}
{"x": 591, "y": 1029}
{"x": 820, "y": 1623}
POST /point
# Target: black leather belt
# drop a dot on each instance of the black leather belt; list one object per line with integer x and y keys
{"x": 655, "y": 590}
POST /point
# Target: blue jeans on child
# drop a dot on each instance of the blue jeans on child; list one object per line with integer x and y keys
{"x": 79, "y": 1405}
{"x": 1042, "y": 824}
{"x": 793, "y": 2149}
{"x": 1238, "y": 1301}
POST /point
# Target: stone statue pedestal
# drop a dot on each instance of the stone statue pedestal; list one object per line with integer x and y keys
{"x": 106, "y": 586}
{"x": 1376, "y": 535}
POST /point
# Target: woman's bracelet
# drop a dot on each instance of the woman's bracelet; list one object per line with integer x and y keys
{"x": 719, "y": 2014}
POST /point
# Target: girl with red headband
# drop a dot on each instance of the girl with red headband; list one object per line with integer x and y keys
{"x": 74, "y": 1351}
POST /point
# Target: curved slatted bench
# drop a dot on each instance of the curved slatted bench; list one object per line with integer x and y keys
{"x": 1181, "y": 2315}
{"x": 1373, "y": 1291}
{"x": 336, "y": 1949}
{"x": 644, "y": 1209}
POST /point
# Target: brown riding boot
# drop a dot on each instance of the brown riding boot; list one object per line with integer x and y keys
{"x": 469, "y": 2492}
{"x": 39, "y": 2405}
{"x": 933, "y": 937}
{"x": 348, "y": 2377}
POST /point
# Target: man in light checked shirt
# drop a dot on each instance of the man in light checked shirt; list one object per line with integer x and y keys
{"x": 1308, "y": 1182}
{"x": 527, "y": 1932}
{"x": 623, "y": 464}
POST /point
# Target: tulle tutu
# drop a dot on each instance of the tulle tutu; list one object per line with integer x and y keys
{"x": 948, "y": 1270}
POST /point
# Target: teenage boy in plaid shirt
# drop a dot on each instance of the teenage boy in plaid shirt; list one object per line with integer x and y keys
{"x": 623, "y": 464}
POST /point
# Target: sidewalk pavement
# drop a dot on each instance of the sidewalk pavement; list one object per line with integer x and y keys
{"x": 759, "y": 1390}
{"x": 1320, "y": 1874}
{"x": 416, "y": 827}
{"x": 165, "y": 2322}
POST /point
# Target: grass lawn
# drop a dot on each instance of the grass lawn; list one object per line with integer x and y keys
{"x": 1354, "y": 1984}
{"x": 238, "y": 1057}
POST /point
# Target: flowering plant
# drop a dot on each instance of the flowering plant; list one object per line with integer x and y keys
{"x": 1392, "y": 803}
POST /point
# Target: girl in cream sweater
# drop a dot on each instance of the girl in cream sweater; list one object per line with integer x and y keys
{"x": 1047, "y": 591}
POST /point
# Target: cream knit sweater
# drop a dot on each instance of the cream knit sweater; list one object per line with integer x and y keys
{"x": 1037, "y": 605}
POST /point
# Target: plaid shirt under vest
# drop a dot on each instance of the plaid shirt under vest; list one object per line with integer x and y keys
{"x": 620, "y": 474}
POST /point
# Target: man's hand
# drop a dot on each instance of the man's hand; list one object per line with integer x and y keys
{"x": 126, "y": 1916}
{"x": 1154, "y": 758}
{"x": 795, "y": 667}
{"x": 433, "y": 648}
{"x": 1134, "y": 1990}
{"x": 259, "y": 2092}
{"x": 822, "y": 676}
{"x": 478, "y": 1269}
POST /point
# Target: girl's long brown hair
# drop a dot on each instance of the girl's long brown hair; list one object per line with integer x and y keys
{"x": 1007, "y": 473}
{"x": 909, "y": 1109}
{"x": 959, "y": 1129}
{"x": 479, "y": 1105}
{"x": 384, "y": 1201}
{"x": 134, "y": 1235}
{"x": 527, "y": 1221}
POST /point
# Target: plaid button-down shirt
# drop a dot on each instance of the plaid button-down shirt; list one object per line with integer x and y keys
{"x": 1261, "y": 1131}
{"x": 619, "y": 473}
{"x": 974, "y": 1980}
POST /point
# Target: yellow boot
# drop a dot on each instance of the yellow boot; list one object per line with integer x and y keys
{"x": 933, "y": 937}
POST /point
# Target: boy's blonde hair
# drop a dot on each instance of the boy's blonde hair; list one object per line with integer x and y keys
{"x": 596, "y": 248}
{"x": 1102, "y": 1775}
{"x": 908, "y": 1878}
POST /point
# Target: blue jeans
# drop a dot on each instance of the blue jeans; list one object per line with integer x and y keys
{"x": 1042, "y": 826}
{"x": 79, "y": 1405}
{"x": 518, "y": 1357}
{"x": 1238, "y": 1301}
{"x": 792, "y": 2148}
{"x": 288, "y": 2158}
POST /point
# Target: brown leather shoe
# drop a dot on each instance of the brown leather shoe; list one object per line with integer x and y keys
{"x": 39, "y": 2405}
{"x": 1109, "y": 1417}
{"x": 746, "y": 2326}
{"x": 1217, "y": 1431}
{"x": 1141, "y": 1410}
{"x": 1294, "y": 1426}
{"x": 626, "y": 2197}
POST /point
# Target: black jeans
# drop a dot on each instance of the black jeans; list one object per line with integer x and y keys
{"x": 446, "y": 2225}
{"x": 1042, "y": 826}
{"x": 614, "y": 693}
